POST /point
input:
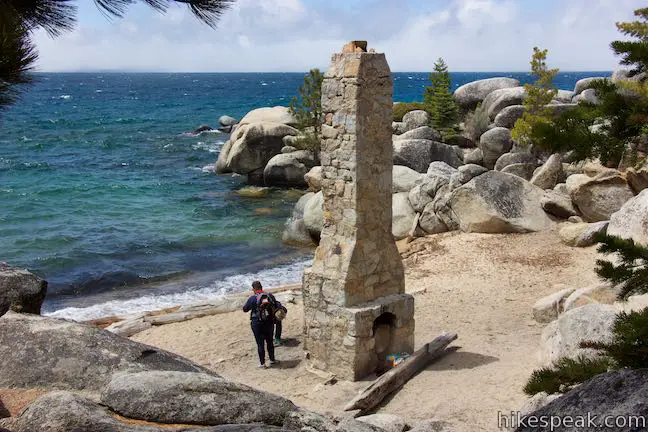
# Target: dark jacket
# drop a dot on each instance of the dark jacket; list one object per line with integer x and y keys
{"x": 251, "y": 305}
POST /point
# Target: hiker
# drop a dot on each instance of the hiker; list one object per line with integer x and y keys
{"x": 262, "y": 307}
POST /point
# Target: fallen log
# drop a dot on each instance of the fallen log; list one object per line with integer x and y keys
{"x": 399, "y": 375}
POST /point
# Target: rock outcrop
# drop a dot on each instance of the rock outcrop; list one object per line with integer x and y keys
{"x": 581, "y": 234}
{"x": 508, "y": 116}
{"x": 585, "y": 83}
{"x": 20, "y": 290}
{"x": 550, "y": 173}
{"x": 423, "y": 132}
{"x": 597, "y": 198}
{"x": 497, "y": 100}
{"x": 631, "y": 221}
{"x": 289, "y": 169}
{"x": 471, "y": 94}
{"x": 493, "y": 144}
{"x": 418, "y": 153}
{"x": 277, "y": 114}
{"x": 191, "y": 398}
{"x": 618, "y": 396}
{"x": 496, "y": 202}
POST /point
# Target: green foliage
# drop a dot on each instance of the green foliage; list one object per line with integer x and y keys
{"x": 631, "y": 274}
{"x": 477, "y": 123}
{"x": 440, "y": 101}
{"x": 538, "y": 96}
{"x": 307, "y": 108}
{"x": 19, "y": 18}
{"x": 308, "y": 141}
{"x": 565, "y": 374}
{"x": 628, "y": 349}
{"x": 634, "y": 53}
{"x": 400, "y": 109}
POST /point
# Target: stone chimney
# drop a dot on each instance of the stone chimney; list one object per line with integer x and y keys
{"x": 355, "y": 309}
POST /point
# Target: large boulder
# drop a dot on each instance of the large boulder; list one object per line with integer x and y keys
{"x": 20, "y": 290}
{"x": 581, "y": 234}
{"x": 474, "y": 157}
{"x": 562, "y": 338}
{"x": 618, "y": 397}
{"x": 278, "y": 114}
{"x": 508, "y": 116}
{"x": 471, "y": 94}
{"x": 493, "y": 144}
{"x": 599, "y": 197}
{"x": 423, "y": 132}
{"x": 550, "y": 173}
{"x": 430, "y": 222}
{"x": 465, "y": 173}
{"x": 631, "y": 221}
{"x": 497, "y": 100}
{"x": 589, "y": 96}
{"x": 418, "y": 153}
{"x": 496, "y": 202}
{"x": 314, "y": 215}
{"x": 416, "y": 119}
{"x": 289, "y": 169}
{"x": 550, "y": 307}
{"x": 564, "y": 96}
{"x": 303, "y": 420}
{"x": 558, "y": 204}
{"x": 252, "y": 146}
{"x": 405, "y": 179}
{"x": 522, "y": 170}
{"x": 58, "y": 354}
{"x": 637, "y": 178}
{"x": 585, "y": 83}
{"x": 295, "y": 231}
{"x": 403, "y": 215}
{"x": 314, "y": 179}
{"x": 191, "y": 398}
{"x": 515, "y": 158}
{"x": 62, "y": 411}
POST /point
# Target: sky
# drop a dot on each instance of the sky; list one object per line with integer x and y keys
{"x": 296, "y": 35}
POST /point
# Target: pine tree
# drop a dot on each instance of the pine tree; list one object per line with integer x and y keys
{"x": 538, "y": 96}
{"x": 307, "y": 109}
{"x": 439, "y": 100}
{"x": 634, "y": 53}
{"x": 631, "y": 275}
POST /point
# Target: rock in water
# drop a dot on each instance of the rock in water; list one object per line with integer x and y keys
{"x": 289, "y": 169}
{"x": 202, "y": 128}
{"x": 226, "y": 120}
{"x": 494, "y": 143}
{"x": 54, "y": 352}
{"x": 191, "y": 398}
{"x": 278, "y": 114}
{"x": 621, "y": 395}
{"x": 496, "y": 202}
{"x": 471, "y": 94}
{"x": 20, "y": 290}
{"x": 631, "y": 221}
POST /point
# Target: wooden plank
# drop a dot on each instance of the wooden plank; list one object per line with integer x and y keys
{"x": 398, "y": 376}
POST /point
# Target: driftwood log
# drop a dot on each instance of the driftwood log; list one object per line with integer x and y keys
{"x": 395, "y": 378}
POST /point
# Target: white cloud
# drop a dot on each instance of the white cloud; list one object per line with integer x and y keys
{"x": 288, "y": 35}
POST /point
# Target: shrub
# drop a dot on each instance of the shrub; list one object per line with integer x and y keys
{"x": 400, "y": 109}
{"x": 307, "y": 141}
{"x": 565, "y": 374}
{"x": 307, "y": 107}
{"x": 631, "y": 275}
{"x": 440, "y": 101}
{"x": 538, "y": 96}
{"x": 476, "y": 123}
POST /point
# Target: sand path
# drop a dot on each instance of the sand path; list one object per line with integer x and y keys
{"x": 479, "y": 286}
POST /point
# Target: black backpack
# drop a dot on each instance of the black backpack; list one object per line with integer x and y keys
{"x": 265, "y": 307}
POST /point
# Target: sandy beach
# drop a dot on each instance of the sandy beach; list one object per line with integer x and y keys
{"x": 478, "y": 285}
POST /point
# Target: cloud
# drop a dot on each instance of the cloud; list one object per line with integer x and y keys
{"x": 294, "y": 35}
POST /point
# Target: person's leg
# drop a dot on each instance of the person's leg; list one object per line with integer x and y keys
{"x": 267, "y": 333}
{"x": 257, "y": 329}
{"x": 277, "y": 336}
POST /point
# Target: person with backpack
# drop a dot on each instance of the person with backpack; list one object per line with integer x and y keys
{"x": 262, "y": 307}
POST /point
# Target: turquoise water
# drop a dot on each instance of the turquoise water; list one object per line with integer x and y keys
{"x": 104, "y": 195}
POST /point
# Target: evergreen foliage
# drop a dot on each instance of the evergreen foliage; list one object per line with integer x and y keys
{"x": 628, "y": 349}
{"x": 565, "y": 374}
{"x": 440, "y": 101}
{"x": 538, "y": 96}
{"x": 400, "y": 109}
{"x": 631, "y": 274}
{"x": 634, "y": 53}
{"x": 20, "y": 17}
{"x": 307, "y": 109}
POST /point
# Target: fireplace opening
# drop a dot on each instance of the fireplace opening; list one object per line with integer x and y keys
{"x": 383, "y": 334}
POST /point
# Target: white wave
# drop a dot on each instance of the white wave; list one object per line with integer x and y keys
{"x": 99, "y": 91}
{"x": 210, "y": 147}
{"x": 65, "y": 97}
{"x": 209, "y": 168}
{"x": 272, "y": 277}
